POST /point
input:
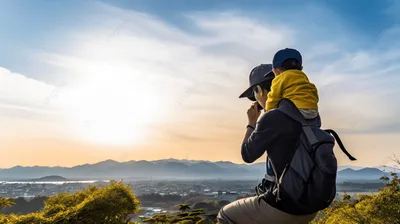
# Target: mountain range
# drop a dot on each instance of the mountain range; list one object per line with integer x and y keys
{"x": 169, "y": 169}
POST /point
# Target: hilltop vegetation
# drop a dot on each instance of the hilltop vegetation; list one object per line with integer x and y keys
{"x": 110, "y": 204}
{"x": 23, "y": 206}
{"x": 382, "y": 208}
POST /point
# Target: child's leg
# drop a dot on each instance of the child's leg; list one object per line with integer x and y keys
{"x": 309, "y": 114}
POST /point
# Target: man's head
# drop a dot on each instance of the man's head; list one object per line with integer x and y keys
{"x": 260, "y": 84}
{"x": 286, "y": 59}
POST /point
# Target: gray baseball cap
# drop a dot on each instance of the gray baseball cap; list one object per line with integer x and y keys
{"x": 260, "y": 74}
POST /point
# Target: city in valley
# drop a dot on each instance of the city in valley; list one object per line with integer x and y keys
{"x": 156, "y": 196}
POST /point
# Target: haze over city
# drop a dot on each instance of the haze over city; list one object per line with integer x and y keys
{"x": 86, "y": 81}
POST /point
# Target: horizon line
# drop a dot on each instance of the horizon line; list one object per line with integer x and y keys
{"x": 157, "y": 160}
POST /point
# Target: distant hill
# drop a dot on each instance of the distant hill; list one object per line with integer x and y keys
{"x": 388, "y": 169}
{"x": 349, "y": 174}
{"x": 50, "y": 178}
{"x": 364, "y": 171}
{"x": 351, "y": 167}
{"x": 164, "y": 169}
{"x": 382, "y": 168}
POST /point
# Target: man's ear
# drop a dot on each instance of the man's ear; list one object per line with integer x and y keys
{"x": 259, "y": 89}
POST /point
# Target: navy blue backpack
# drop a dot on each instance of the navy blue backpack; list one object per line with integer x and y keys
{"x": 309, "y": 178}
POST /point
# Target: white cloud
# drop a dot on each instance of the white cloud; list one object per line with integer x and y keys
{"x": 21, "y": 93}
{"x": 26, "y": 107}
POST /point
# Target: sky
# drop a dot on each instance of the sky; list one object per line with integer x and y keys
{"x": 86, "y": 81}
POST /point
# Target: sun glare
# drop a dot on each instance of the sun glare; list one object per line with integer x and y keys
{"x": 112, "y": 109}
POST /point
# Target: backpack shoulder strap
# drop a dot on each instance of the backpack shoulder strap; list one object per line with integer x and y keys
{"x": 287, "y": 107}
{"x": 336, "y": 136}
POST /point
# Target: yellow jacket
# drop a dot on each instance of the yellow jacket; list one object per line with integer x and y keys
{"x": 295, "y": 86}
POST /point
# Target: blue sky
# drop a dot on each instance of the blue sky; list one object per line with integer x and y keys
{"x": 41, "y": 24}
{"x": 27, "y": 22}
{"x": 74, "y": 67}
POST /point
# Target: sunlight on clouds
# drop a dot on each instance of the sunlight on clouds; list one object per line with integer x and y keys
{"x": 132, "y": 72}
{"x": 147, "y": 72}
{"x": 22, "y": 88}
{"x": 26, "y": 104}
{"x": 21, "y": 94}
{"x": 112, "y": 105}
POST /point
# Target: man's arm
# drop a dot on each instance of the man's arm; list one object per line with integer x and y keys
{"x": 256, "y": 142}
{"x": 248, "y": 133}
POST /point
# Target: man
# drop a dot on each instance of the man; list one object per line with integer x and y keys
{"x": 276, "y": 134}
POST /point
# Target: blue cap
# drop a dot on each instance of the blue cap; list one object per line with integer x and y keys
{"x": 285, "y": 54}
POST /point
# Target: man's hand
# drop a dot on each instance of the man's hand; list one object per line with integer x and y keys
{"x": 253, "y": 113}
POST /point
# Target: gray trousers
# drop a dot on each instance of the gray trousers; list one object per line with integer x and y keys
{"x": 251, "y": 210}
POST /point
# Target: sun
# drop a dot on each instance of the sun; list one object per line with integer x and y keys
{"x": 112, "y": 109}
{"x": 113, "y": 122}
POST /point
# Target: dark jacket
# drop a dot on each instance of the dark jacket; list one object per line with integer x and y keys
{"x": 277, "y": 134}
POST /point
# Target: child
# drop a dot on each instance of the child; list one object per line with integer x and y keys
{"x": 292, "y": 83}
